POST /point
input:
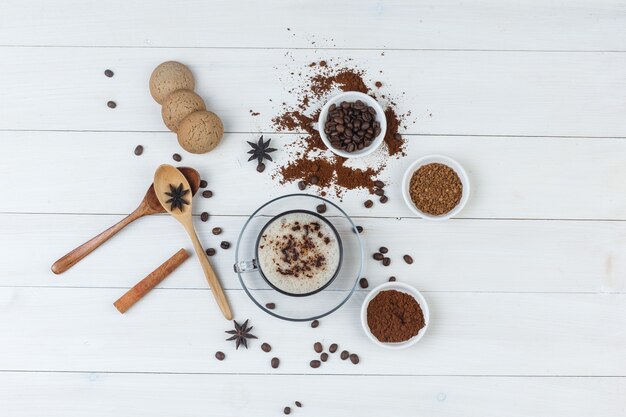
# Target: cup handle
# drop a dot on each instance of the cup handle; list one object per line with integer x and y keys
{"x": 245, "y": 266}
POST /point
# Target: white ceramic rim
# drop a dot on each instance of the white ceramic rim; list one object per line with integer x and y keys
{"x": 399, "y": 286}
{"x": 353, "y": 96}
{"x": 428, "y": 159}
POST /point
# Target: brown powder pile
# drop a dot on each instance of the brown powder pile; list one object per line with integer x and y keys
{"x": 435, "y": 189}
{"x": 310, "y": 157}
{"x": 394, "y": 316}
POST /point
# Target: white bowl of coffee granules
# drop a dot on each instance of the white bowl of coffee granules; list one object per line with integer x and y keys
{"x": 352, "y": 124}
{"x": 394, "y": 315}
{"x": 435, "y": 187}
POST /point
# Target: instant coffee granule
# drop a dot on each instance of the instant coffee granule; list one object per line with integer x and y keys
{"x": 394, "y": 316}
{"x": 435, "y": 189}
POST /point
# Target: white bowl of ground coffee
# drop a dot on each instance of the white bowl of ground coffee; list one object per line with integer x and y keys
{"x": 395, "y": 315}
{"x": 435, "y": 187}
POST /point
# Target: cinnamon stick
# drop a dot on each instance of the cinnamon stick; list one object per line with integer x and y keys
{"x": 135, "y": 294}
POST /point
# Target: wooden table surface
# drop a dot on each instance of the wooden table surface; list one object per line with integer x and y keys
{"x": 527, "y": 287}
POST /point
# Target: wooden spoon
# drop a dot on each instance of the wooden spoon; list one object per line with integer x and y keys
{"x": 172, "y": 190}
{"x": 149, "y": 205}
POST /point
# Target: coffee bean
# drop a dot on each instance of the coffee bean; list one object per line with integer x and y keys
{"x": 220, "y": 355}
{"x": 354, "y": 358}
{"x": 392, "y": 279}
{"x": 210, "y": 251}
{"x": 224, "y": 244}
{"x": 265, "y": 347}
{"x": 384, "y": 199}
{"x": 317, "y": 346}
{"x": 398, "y": 136}
{"x": 298, "y": 404}
{"x": 363, "y": 283}
{"x": 315, "y": 364}
{"x": 378, "y": 256}
{"x": 321, "y": 208}
{"x": 379, "y": 184}
{"x": 176, "y": 157}
{"x": 275, "y": 362}
{"x": 333, "y": 348}
{"x": 359, "y": 229}
{"x": 386, "y": 261}
{"x": 344, "y": 355}
{"x": 379, "y": 192}
{"x": 108, "y": 73}
{"x": 270, "y": 306}
{"x": 260, "y": 167}
{"x": 287, "y": 410}
{"x": 368, "y": 204}
{"x": 216, "y": 231}
{"x": 207, "y": 194}
{"x": 138, "y": 150}
{"x": 324, "y": 357}
{"x": 314, "y": 180}
{"x": 111, "y": 104}
{"x": 315, "y": 323}
{"x": 408, "y": 259}
{"x": 302, "y": 185}
{"x": 203, "y": 183}
{"x": 352, "y": 126}
{"x": 383, "y": 249}
{"x": 204, "y": 216}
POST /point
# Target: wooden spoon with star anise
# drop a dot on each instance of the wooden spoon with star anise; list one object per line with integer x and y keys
{"x": 173, "y": 191}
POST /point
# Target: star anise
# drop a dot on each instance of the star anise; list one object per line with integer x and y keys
{"x": 241, "y": 334}
{"x": 177, "y": 200}
{"x": 260, "y": 150}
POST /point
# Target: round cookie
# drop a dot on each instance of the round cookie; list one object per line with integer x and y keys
{"x": 169, "y": 77}
{"x": 200, "y": 132}
{"x": 178, "y": 105}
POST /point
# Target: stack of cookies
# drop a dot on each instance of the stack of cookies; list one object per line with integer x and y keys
{"x": 183, "y": 111}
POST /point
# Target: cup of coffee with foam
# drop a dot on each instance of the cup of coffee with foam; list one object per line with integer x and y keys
{"x": 297, "y": 252}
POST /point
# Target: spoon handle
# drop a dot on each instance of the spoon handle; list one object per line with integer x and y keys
{"x": 73, "y": 257}
{"x": 214, "y": 282}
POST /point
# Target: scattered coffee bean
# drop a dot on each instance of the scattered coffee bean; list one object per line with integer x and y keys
{"x": 392, "y": 279}
{"x": 368, "y": 204}
{"x": 378, "y": 256}
{"x": 224, "y": 245}
{"x": 220, "y": 355}
{"x": 270, "y": 306}
{"x": 333, "y": 348}
{"x": 176, "y": 157}
{"x": 298, "y": 404}
{"x": 408, "y": 259}
{"x": 207, "y": 194}
{"x": 354, "y": 358}
{"x": 260, "y": 167}
{"x": 317, "y": 347}
{"x": 203, "y": 183}
{"x": 324, "y": 357}
{"x": 138, "y": 150}
{"x": 315, "y": 363}
{"x": 275, "y": 362}
{"x": 314, "y": 180}
{"x": 321, "y": 208}
{"x": 302, "y": 185}
{"x": 363, "y": 283}
{"x": 210, "y": 251}
{"x": 379, "y": 184}
{"x": 398, "y": 136}
{"x": 384, "y": 199}
{"x": 315, "y": 323}
{"x": 359, "y": 229}
{"x": 265, "y": 347}
{"x": 204, "y": 216}
{"x": 287, "y": 410}
{"x": 217, "y": 231}
{"x": 108, "y": 73}
{"x": 351, "y": 126}
{"x": 386, "y": 261}
{"x": 345, "y": 355}
{"x": 379, "y": 192}
{"x": 111, "y": 104}
{"x": 383, "y": 249}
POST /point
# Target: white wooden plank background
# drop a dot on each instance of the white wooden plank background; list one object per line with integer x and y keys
{"x": 526, "y": 288}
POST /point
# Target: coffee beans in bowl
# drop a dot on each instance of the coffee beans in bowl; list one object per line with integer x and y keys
{"x": 394, "y": 315}
{"x": 435, "y": 187}
{"x": 352, "y": 124}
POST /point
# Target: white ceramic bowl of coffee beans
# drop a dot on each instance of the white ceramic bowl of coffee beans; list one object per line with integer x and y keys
{"x": 436, "y": 159}
{"x": 407, "y": 289}
{"x": 353, "y": 97}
